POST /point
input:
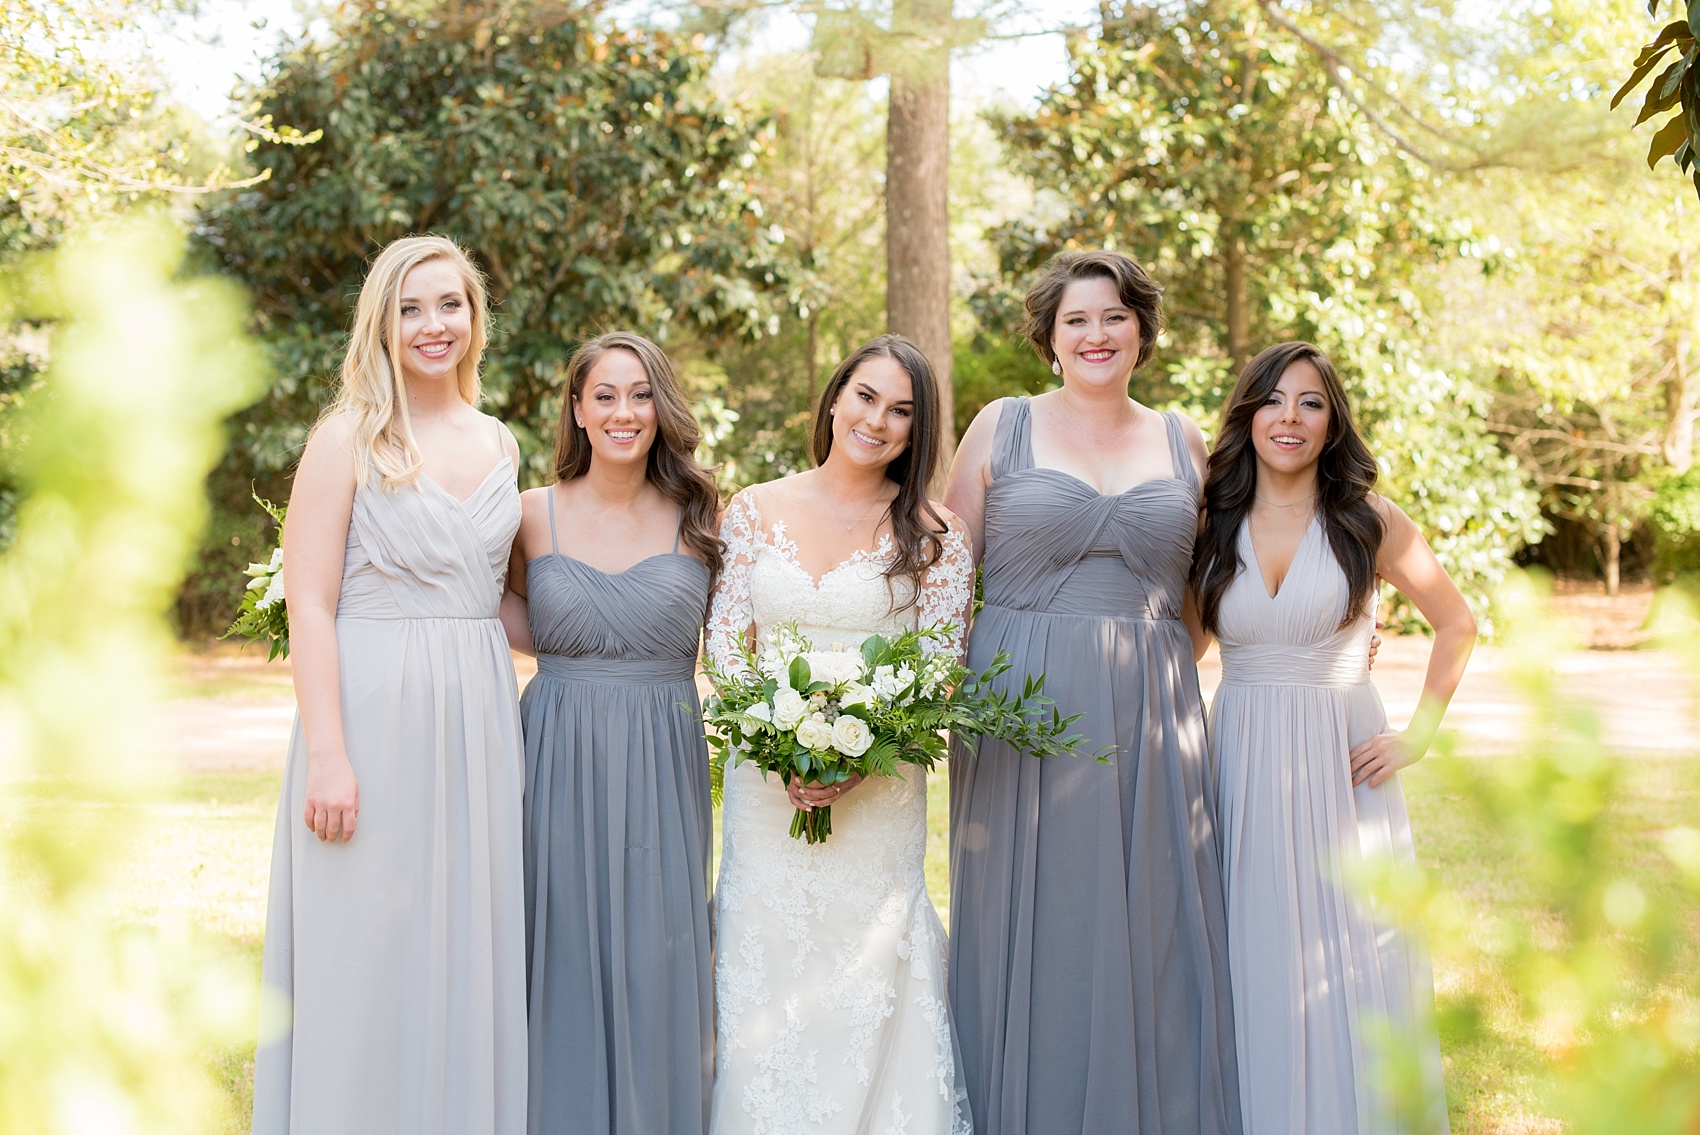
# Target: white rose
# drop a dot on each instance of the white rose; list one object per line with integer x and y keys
{"x": 856, "y": 694}
{"x": 761, "y": 711}
{"x": 834, "y": 667}
{"x": 788, "y": 707}
{"x": 814, "y": 734}
{"x": 851, "y": 736}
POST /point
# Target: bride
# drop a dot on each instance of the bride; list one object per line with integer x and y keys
{"x": 829, "y": 969}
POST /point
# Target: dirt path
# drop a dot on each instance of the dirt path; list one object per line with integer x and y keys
{"x": 237, "y": 710}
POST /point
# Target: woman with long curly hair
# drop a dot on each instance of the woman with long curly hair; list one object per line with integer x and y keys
{"x": 614, "y": 563}
{"x": 829, "y": 969}
{"x": 1294, "y": 545}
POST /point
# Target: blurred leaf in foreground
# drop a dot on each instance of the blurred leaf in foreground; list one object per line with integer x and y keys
{"x": 105, "y": 1028}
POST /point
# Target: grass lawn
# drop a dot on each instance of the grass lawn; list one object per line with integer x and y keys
{"x": 204, "y": 849}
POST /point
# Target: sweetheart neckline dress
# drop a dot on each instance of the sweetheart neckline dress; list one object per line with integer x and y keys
{"x": 403, "y": 950}
{"x": 1089, "y": 969}
{"x": 1317, "y": 970}
{"x": 829, "y": 964}
{"x": 617, "y": 836}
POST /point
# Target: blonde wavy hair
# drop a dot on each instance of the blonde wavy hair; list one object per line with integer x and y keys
{"x": 371, "y": 391}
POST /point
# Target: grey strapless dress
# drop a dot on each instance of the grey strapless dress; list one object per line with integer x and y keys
{"x": 1089, "y": 956}
{"x": 1317, "y": 974}
{"x": 617, "y": 837}
{"x": 403, "y": 949}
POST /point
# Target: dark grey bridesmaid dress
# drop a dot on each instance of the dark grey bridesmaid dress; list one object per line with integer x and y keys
{"x": 1089, "y": 962}
{"x": 617, "y": 834}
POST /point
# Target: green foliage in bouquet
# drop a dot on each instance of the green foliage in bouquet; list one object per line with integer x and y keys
{"x": 826, "y": 716}
{"x": 263, "y": 616}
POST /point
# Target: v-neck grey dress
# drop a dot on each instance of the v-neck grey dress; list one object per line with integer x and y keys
{"x": 617, "y": 833}
{"x": 402, "y": 950}
{"x": 1089, "y": 955}
{"x": 1317, "y": 974}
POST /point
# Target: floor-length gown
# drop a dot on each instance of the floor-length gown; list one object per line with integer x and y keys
{"x": 829, "y": 959}
{"x": 403, "y": 949}
{"x": 617, "y": 833}
{"x": 1318, "y": 977}
{"x": 1089, "y": 968}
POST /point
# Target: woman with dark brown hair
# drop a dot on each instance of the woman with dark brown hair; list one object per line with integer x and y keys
{"x": 1088, "y": 969}
{"x": 830, "y": 969}
{"x": 614, "y": 562}
{"x": 1295, "y": 541}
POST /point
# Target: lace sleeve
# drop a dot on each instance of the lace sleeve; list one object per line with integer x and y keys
{"x": 947, "y": 589}
{"x": 731, "y": 615}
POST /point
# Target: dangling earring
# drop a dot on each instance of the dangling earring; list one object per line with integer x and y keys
{"x": 1056, "y": 367}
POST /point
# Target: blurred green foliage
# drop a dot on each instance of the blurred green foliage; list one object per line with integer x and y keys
{"x": 1599, "y": 955}
{"x": 107, "y": 1026}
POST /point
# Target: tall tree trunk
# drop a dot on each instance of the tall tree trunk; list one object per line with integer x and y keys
{"x": 917, "y": 189}
{"x": 1234, "y": 299}
{"x": 1682, "y": 392}
{"x": 1614, "y": 557}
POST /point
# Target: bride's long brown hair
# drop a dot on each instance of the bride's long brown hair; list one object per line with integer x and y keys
{"x": 916, "y": 527}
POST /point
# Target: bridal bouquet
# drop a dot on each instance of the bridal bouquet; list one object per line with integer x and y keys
{"x": 824, "y": 716}
{"x": 262, "y": 616}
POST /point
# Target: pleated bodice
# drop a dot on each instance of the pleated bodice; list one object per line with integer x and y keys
{"x": 652, "y": 611}
{"x": 423, "y": 554}
{"x": 1293, "y": 638}
{"x": 1055, "y": 544}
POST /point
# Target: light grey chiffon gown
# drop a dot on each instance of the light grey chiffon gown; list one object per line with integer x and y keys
{"x": 403, "y": 949}
{"x": 617, "y": 834}
{"x": 1089, "y": 967}
{"x": 1317, "y": 975}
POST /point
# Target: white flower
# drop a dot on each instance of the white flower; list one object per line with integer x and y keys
{"x": 851, "y": 736}
{"x": 813, "y": 733}
{"x": 885, "y": 682}
{"x": 788, "y": 707}
{"x": 274, "y": 593}
{"x": 277, "y": 559}
{"x": 761, "y": 711}
{"x": 834, "y": 667}
{"x": 856, "y": 694}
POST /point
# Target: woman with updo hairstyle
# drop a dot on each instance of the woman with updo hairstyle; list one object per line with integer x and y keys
{"x": 1294, "y": 545}
{"x": 610, "y": 581}
{"x": 395, "y": 952}
{"x": 1088, "y": 968}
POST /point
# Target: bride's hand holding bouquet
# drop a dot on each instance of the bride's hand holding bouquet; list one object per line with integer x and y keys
{"x": 830, "y": 717}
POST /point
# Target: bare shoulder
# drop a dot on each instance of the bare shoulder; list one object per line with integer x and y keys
{"x": 1391, "y": 514}
{"x": 510, "y": 445}
{"x": 330, "y": 448}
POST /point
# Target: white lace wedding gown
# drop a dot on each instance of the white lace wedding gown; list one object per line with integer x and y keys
{"x": 830, "y": 959}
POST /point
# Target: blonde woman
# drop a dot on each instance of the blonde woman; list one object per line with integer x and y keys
{"x": 396, "y": 922}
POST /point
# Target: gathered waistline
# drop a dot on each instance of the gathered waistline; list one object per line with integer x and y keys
{"x": 418, "y": 618}
{"x": 617, "y": 671}
{"x": 1136, "y": 617}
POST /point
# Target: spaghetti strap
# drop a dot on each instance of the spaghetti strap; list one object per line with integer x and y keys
{"x": 549, "y": 495}
{"x": 678, "y": 527}
{"x": 1184, "y": 468}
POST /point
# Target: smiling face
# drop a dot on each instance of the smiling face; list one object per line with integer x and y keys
{"x": 1096, "y": 336}
{"x": 873, "y": 413}
{"x": 616, "y": 408}
{"x": 1290, "y": 429}
{"x": 436, "y": 322}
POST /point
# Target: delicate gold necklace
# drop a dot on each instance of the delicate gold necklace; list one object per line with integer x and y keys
{"x": 1292, "y": 504}
{"x": 838, "y": 516}
{"x": 1096, "y": 440}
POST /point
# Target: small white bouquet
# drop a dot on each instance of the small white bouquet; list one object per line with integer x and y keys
{"x": 263, "y": 616}
{"x": 825, "y": 716}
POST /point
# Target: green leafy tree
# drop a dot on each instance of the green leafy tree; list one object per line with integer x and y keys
{"x": 1215, "y": 147}
{"x": 591, "y": 171}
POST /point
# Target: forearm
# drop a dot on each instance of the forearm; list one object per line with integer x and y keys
{"x": 1446, "y": 661}
{"x": 317, "y": 672}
